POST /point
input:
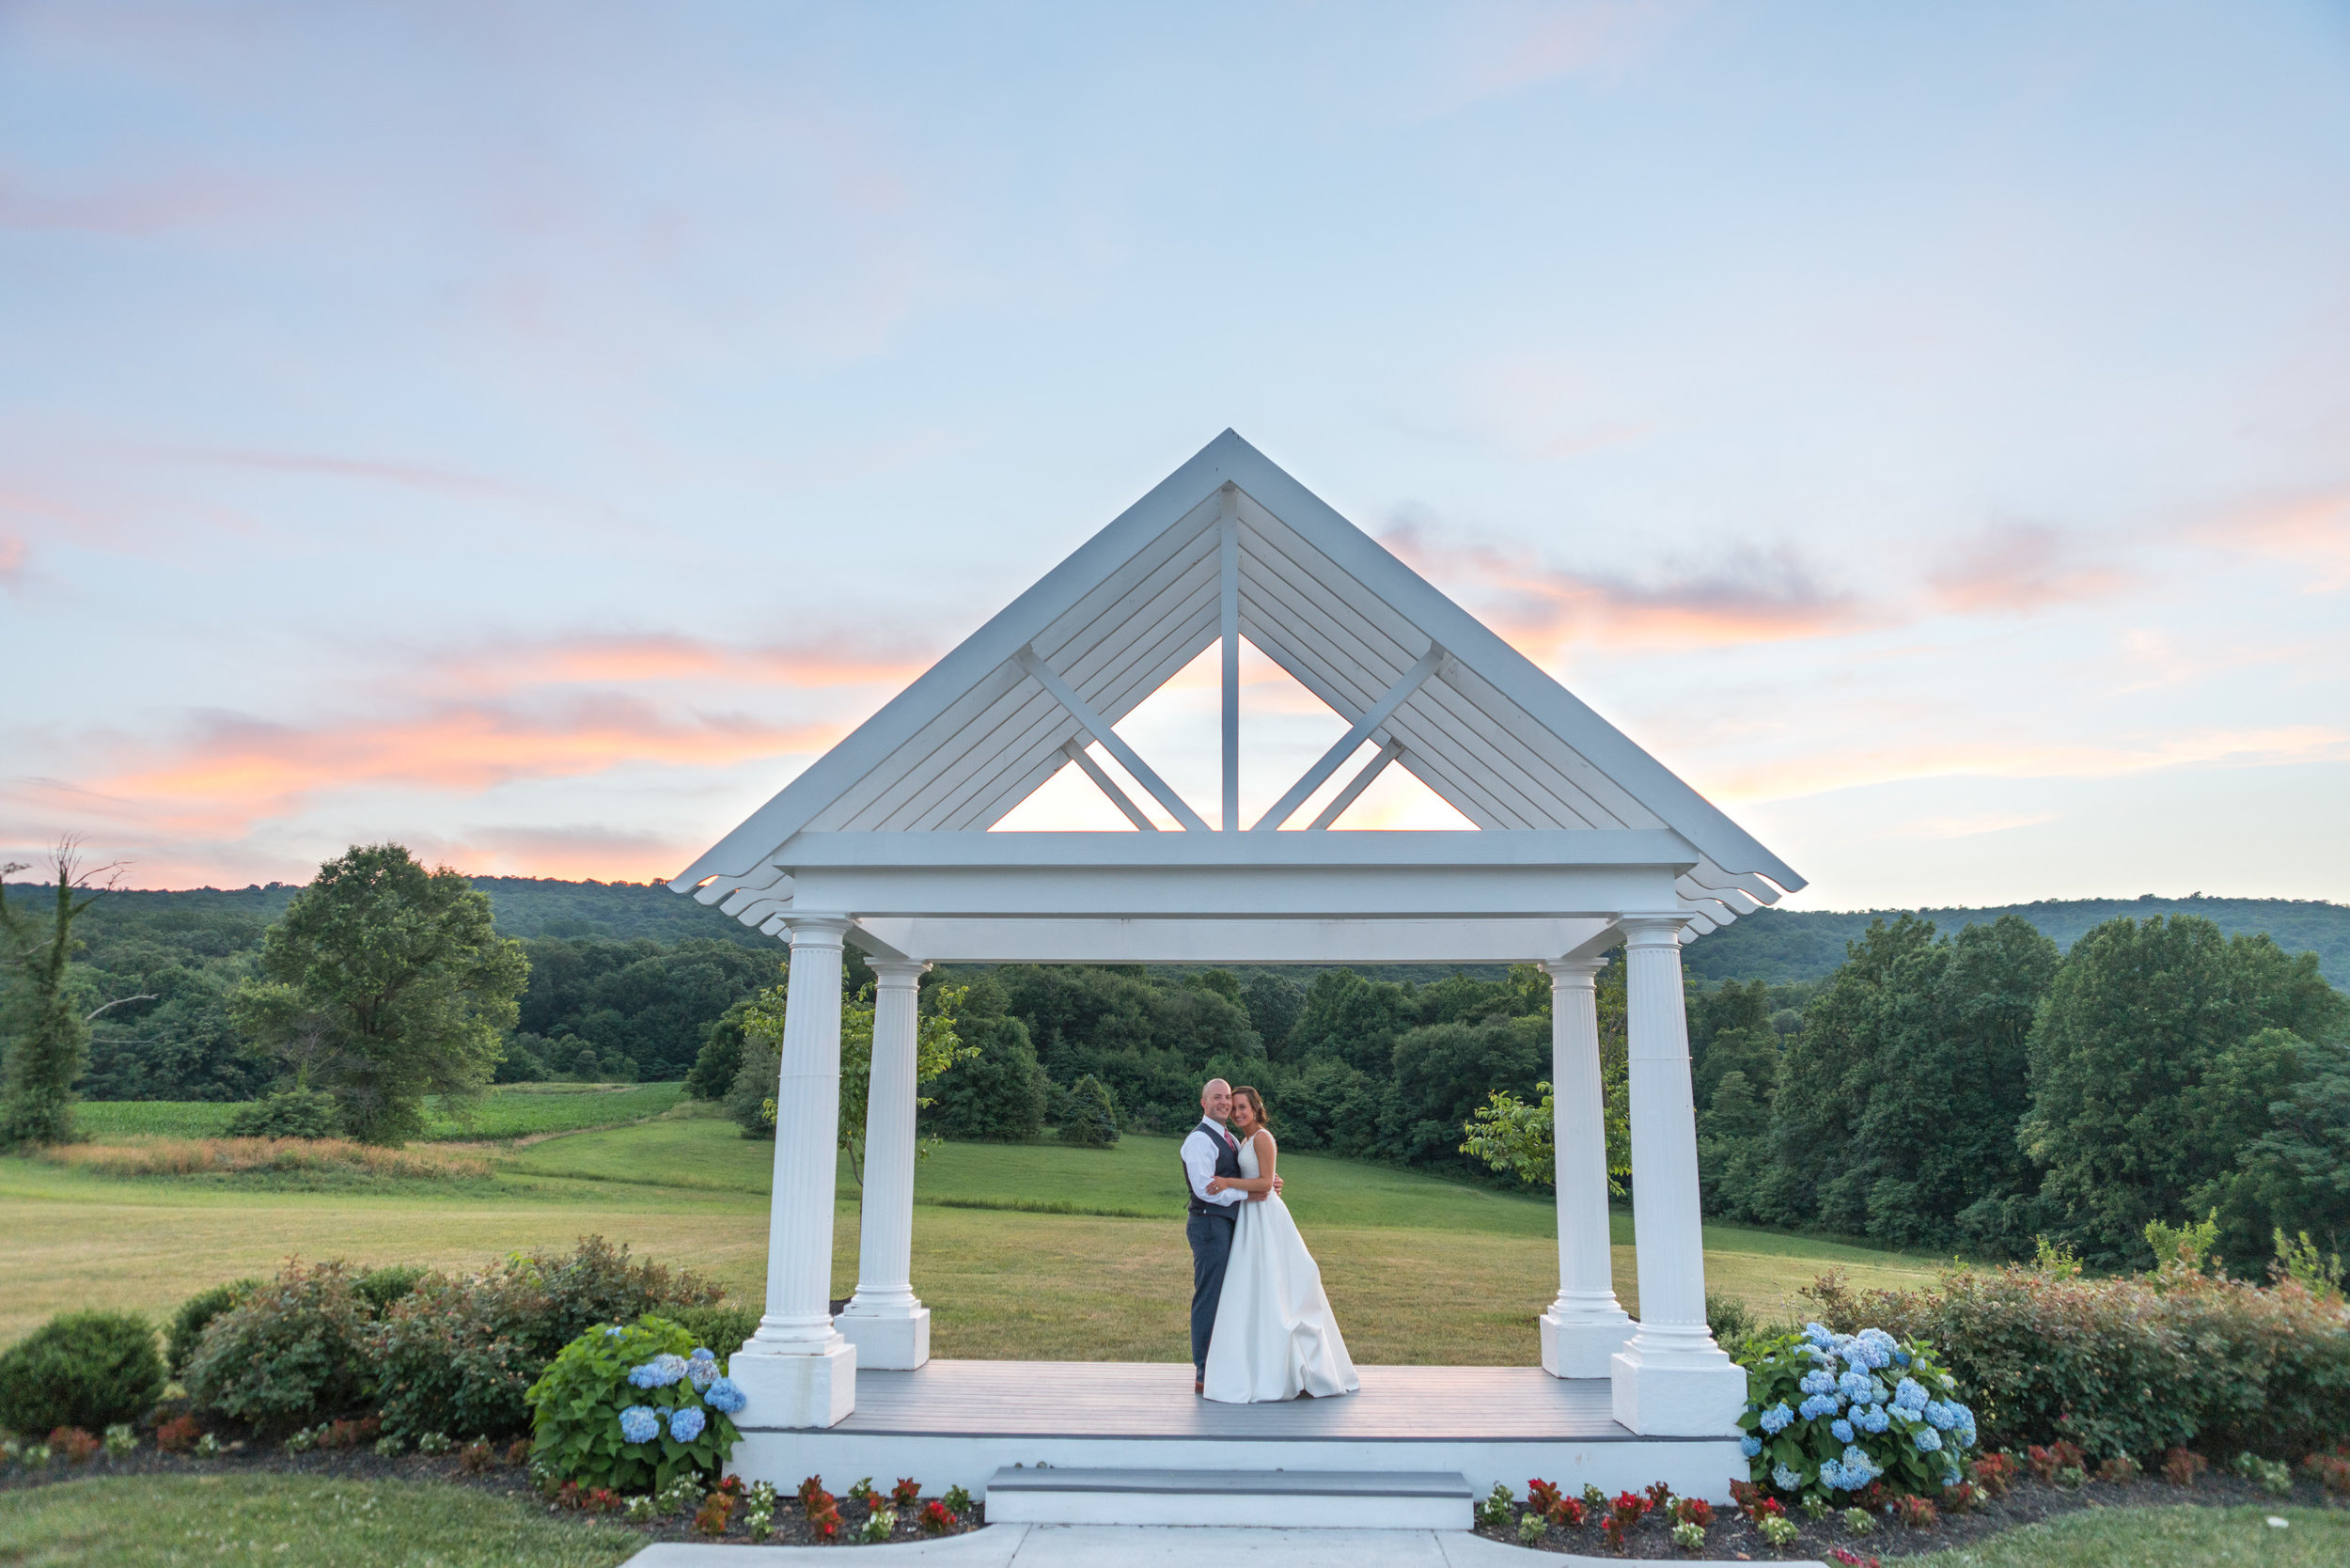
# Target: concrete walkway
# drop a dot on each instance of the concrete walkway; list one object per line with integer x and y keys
{"x": 1149, "y": 1546}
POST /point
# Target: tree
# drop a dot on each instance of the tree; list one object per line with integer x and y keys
{"x": 384, "y": 982}
{"x": 1085, "y": 1114}
{"x": 995, "y": 1093}
{"x": 2155, "y": 1059}
{"x": 48, "y": 1035}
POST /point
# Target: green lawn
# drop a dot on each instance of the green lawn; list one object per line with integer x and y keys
{"x": 1420, "y": 1270}
{"x": 283, "y": 1521}
{"x": 508, "y": 1111}
{"x": 2177, "y": 1537}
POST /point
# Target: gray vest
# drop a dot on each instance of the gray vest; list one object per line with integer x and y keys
{"x": 1227, "y": 1165}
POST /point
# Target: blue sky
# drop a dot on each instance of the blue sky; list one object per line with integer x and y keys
{"x": 534, "y": 432}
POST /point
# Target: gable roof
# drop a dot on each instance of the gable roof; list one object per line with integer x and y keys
{"x": 1486, "y": 728}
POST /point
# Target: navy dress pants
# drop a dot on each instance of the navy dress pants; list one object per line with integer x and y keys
{"x": 1211, "y": 1238}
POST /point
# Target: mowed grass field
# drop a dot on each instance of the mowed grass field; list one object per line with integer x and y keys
{"x": 508, "y": 1111}
{"x": 1023, "y": 1252}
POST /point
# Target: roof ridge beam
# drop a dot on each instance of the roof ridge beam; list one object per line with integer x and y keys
{"x": 1381, "y": 710}
{"x": 1042, "y": 673}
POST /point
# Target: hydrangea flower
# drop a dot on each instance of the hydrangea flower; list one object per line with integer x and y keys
{"x": 1749, "y": 1445}
{"x": 703, "y": 1352}
{"x": 1910, "y": 1395}
{"x": 1843, "y": 1430}
{"x": 701, "y": 1373}
{"x": 1818, "y": 1405}
{"x": 1871, "y": 1418}
{"x": 1901, "y": 1358}
{"x": 1857, "y": 1461}
{"x": 1940, "y": 1416}
{"x": 685, "y": 1422}
{"x": 614, "y": 1332}
{"x": 1785, "y": 1478}
{"x": 639, "y": 1424}
{"x": 1777, "y": 1418}
{"x": 1878, "y": 1392}
{"x": 1880, "y": 1348}
{"x": 1854, "y": 1384}
{"x": 1832, "y": 1475}
{"x": 726, "y": 1397}
{"x": 1818, "y": 1334}
{"x": 1817, "y": 1382}
{"x": 659, "y": 1373}
{"x": 1927, "y": 1439}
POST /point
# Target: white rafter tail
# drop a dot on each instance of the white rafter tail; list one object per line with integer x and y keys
{"x": 1109, "y": 786}
{"x": 1382, "y": 711}
{"x": 1228, "y": 617}
{"x": 1095, "y": 726}
{"x": 1356, "y": 786}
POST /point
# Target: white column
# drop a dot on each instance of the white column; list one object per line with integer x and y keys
{"x": 796, "y": 1371}
{"x": 885, "y": 1320}
{"x": 1586, "y": 1326}
{"x": 1672, "y": 1380}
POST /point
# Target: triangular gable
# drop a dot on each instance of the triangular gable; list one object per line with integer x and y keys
{"x": 1483, "y": 727}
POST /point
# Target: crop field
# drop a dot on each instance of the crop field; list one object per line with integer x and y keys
{"x": 1031, "y": 1251}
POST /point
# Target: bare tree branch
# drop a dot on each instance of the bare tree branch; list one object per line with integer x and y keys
{"x": 142, "y": 996}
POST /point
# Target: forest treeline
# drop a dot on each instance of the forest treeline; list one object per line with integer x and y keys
{"x": 1972, "y": 1087}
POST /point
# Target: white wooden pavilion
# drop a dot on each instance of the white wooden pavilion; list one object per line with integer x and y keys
{"x": 1582, "y": 841}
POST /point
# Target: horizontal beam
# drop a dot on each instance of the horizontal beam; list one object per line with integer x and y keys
{"x": 1236, "y": 941}
{"x": 1388, "y": 891}
{"x": 1548, "y": 849}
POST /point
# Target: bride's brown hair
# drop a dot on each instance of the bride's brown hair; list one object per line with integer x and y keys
{"x": 1256, "y": 1102}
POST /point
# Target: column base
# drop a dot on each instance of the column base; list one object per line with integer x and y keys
{"x": 1583, "y": 1347}
{"x": 1683, "y": 1395}
{"x": 815, "y": 1389}
{"x": 893, "y": 1342}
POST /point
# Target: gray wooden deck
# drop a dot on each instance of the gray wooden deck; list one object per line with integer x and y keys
{"x": 1142, "y": 1399}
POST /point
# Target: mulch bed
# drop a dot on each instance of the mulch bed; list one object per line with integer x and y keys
{"x": 2027, "y": 1501}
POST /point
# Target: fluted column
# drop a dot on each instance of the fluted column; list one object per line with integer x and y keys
{"x": 885, "y": 1320}
{"x": 1671, "y": 1378}
{"x": 796, "y": 1370}
{"x": 1586, "y": 1326}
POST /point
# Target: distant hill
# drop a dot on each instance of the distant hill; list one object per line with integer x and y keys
{"x": 1782, "y": 946}
{"x": 1779, "y": 945}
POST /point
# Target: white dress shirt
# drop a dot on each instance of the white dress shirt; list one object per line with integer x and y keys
{"x": 1200, "y": 1153}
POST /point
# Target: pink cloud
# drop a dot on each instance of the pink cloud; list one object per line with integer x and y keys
{"x": 634, "y": 659}
{"x": 2016, "y": 569}
{"x": 2312, "y": 533}
{"x": 1752, "y": 596}
{"x": 15, "y": 561}
{"x": 185, "y": 202}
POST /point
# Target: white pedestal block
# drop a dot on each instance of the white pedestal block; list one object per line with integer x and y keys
{"x": 1678, "y": 1399}
{"x": 807, "y": 1390}
{"x": 897, "y": 1342}
{"x": 1582, "y": 1349}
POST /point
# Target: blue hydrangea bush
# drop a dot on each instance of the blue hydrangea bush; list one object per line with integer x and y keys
{"x": 1827, "y": 1415}
{"x": 633, "y": 1407}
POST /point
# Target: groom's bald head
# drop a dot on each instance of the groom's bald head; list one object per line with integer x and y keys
{"x": 1216, "y": 1099}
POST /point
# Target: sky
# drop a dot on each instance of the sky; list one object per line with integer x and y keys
{"x": 534, "y": 433}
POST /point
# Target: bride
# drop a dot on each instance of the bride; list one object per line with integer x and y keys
{"x": 1274, "y": 1338}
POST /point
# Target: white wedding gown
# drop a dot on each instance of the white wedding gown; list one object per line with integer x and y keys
{"x": 1275, "y": 1337}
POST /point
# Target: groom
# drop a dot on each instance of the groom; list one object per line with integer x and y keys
{"x": 1211, "y": 1158}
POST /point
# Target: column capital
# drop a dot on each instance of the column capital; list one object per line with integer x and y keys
{"x": 817, "y": 930}
{"x": 899, "y": 971}
{"x": 1662, "y": 929}
{"x": 1580, "y": 972}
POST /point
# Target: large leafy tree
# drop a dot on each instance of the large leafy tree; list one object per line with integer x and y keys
{"x": 2171, "y": 1071}
{"x": 46, "y": 1032}
{"x": 381, "y": 984}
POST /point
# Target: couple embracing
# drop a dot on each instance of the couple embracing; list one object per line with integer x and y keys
{"x": 1260, "y": 1326}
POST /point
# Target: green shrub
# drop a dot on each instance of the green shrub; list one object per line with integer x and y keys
{"x": 1729, "y": 1317}
{"x": 188, "y": 1324}
{"x": 291, "y": 1113}
{"x": 457, "y": 1354}
{"x": 86, "y": 1369}
{"x": 380, "y": 1287}
{"x": 721, "y": 1327}
{"x": 2126, "y": 1365}
{"x": 288, "y": 1355}
{"x": 1816, "y": 1402}
{"x": 579, "y": 1403}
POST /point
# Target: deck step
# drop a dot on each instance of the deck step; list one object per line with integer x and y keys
{"x": 1356, "y": 1499}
